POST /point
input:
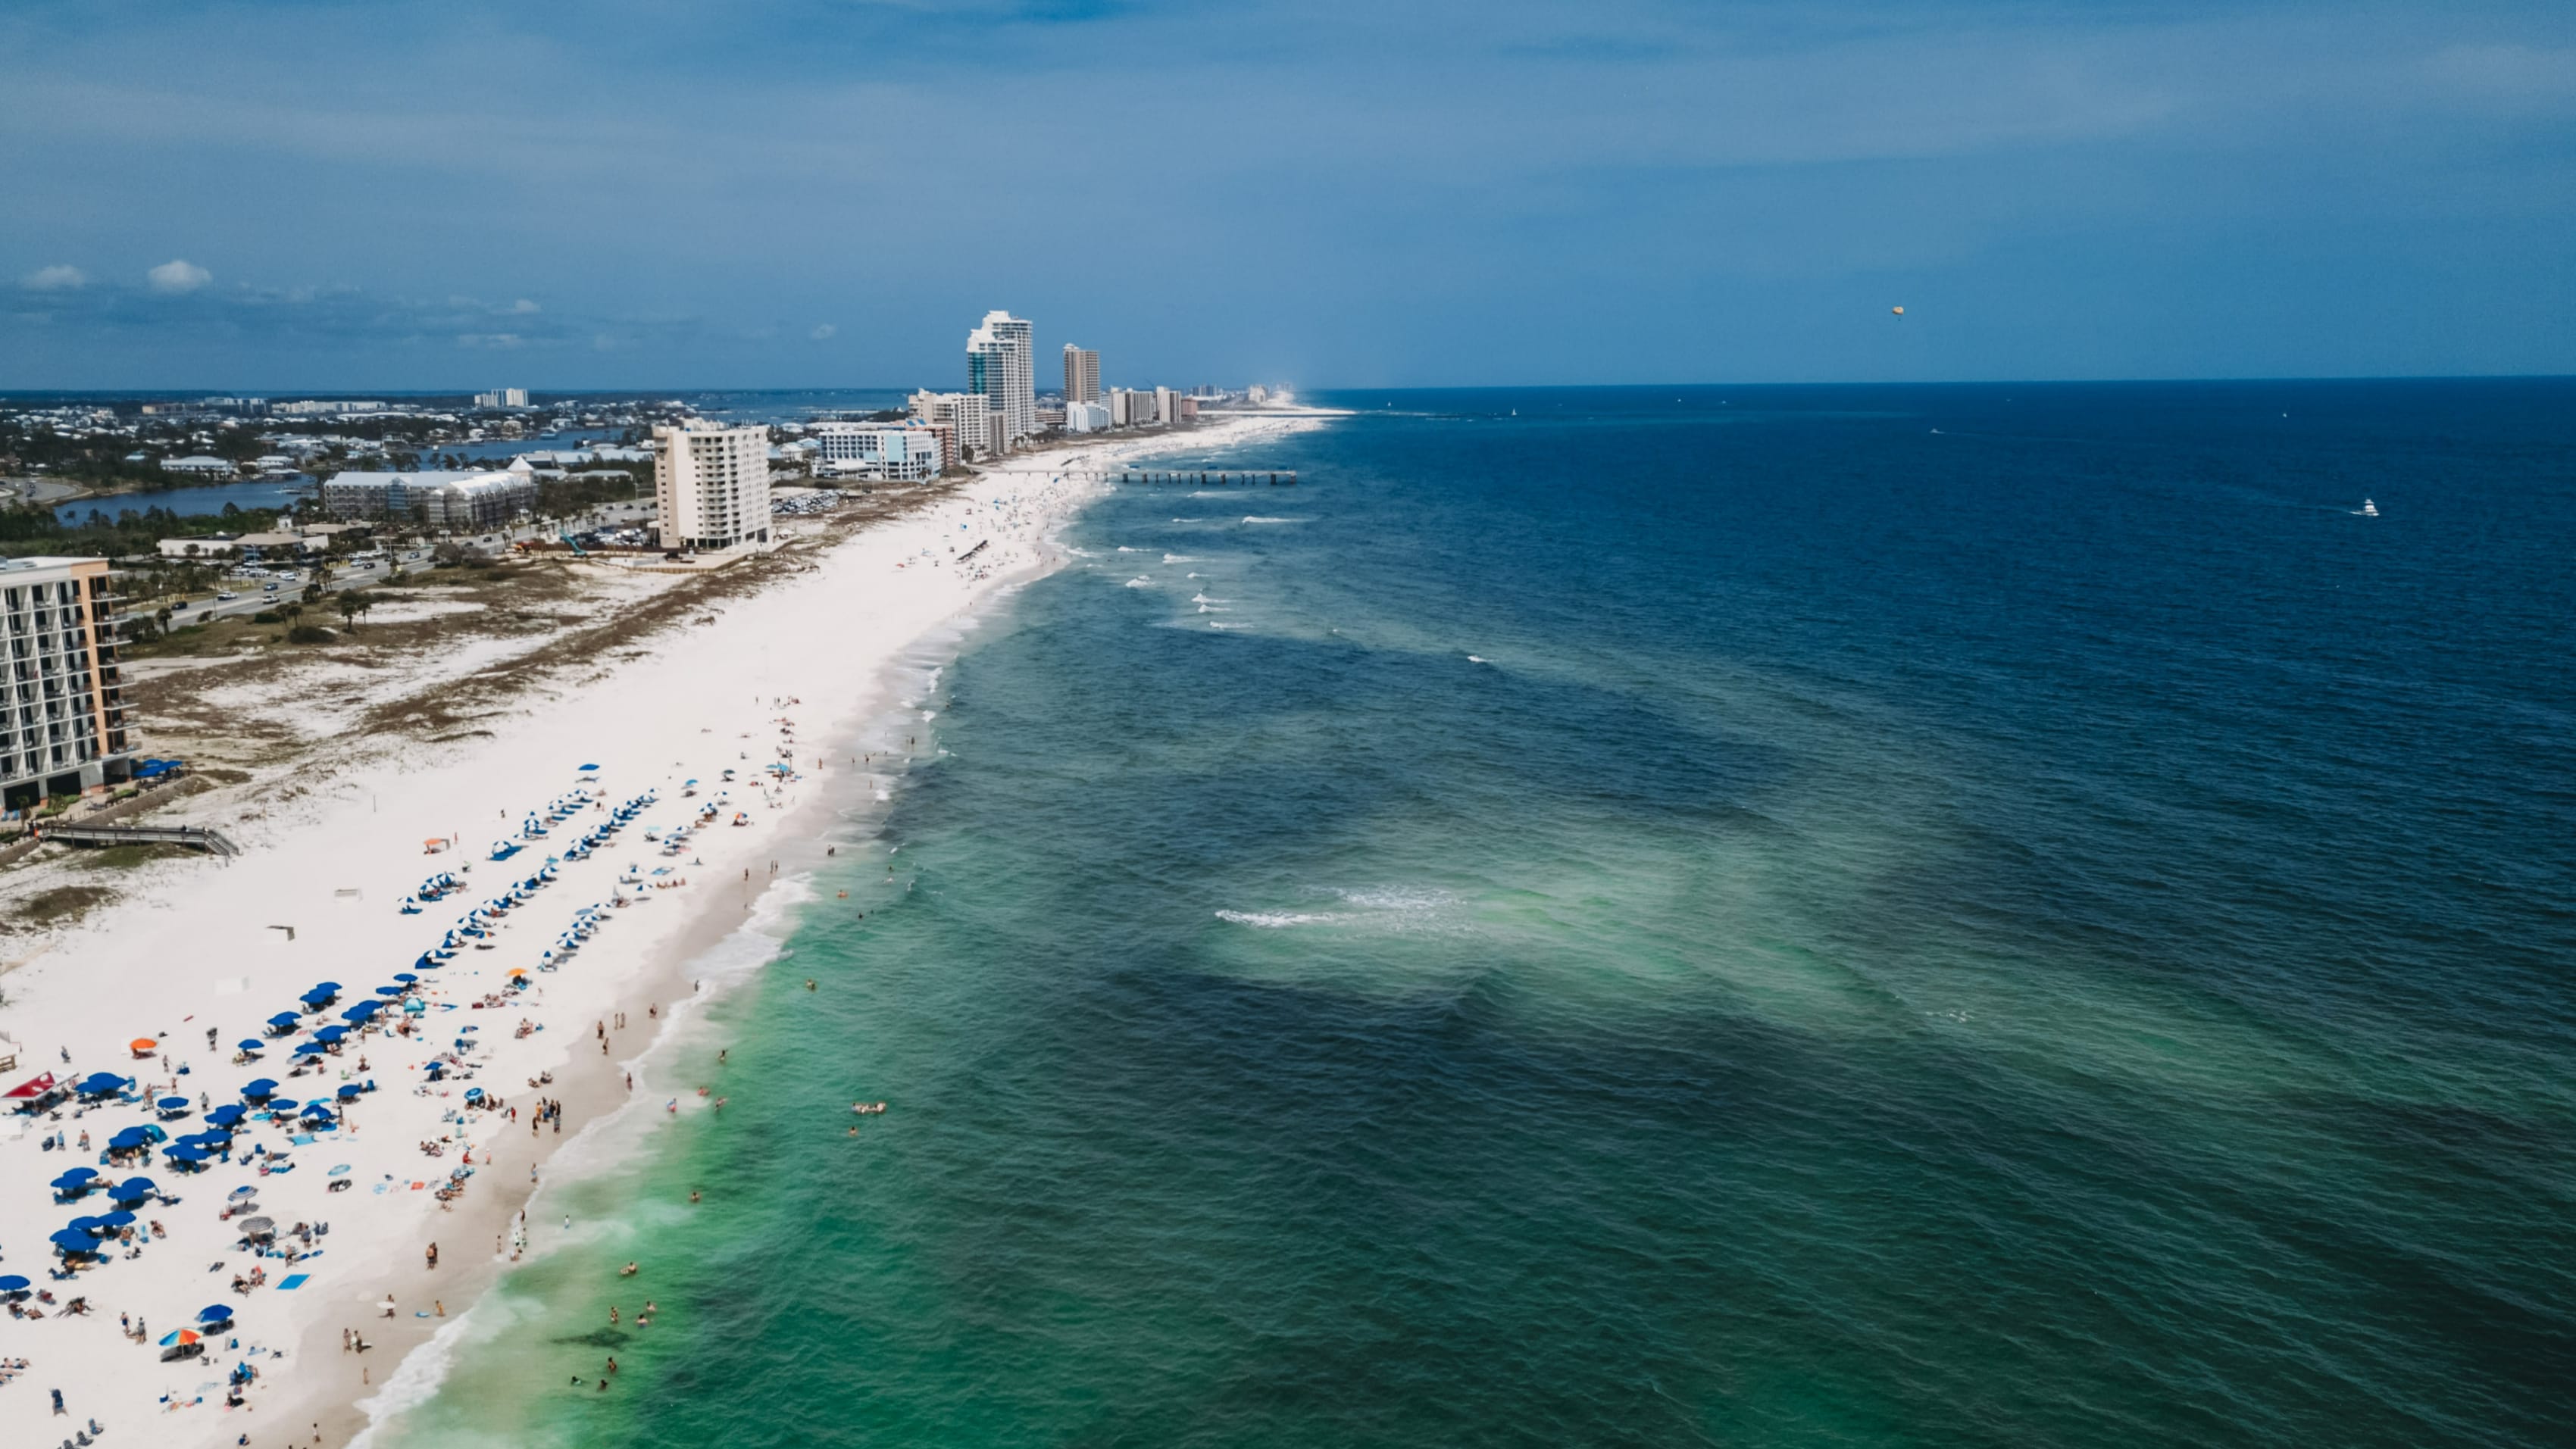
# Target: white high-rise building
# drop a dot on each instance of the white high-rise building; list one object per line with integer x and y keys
{"x": 712, "y": 484}
{"x": 1001, "y": 363}
{"x": 1081, "y": 374}
{"x": 980, "y": 428}
{"x": 878, "y": 450}
{"x": 502, "y": 397}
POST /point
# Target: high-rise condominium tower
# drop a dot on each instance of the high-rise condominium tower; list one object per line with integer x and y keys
{"x": 1001, "y": 363}
{"x": 712, "y": 483}
{"x": 1081, "y": 374}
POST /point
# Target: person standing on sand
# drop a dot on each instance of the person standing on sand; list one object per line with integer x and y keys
{"x": 433, "y": 1255}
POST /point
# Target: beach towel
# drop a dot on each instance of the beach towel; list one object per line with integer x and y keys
{"x": 292, "y": 1281}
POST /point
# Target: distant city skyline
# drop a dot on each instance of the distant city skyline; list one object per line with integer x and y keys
{"x": 410, "y": 195}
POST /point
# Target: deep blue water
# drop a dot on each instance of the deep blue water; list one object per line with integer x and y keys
{"x": 1930, "y": 916}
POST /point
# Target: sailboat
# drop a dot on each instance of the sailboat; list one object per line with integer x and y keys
{"x": 2367, "y": 509}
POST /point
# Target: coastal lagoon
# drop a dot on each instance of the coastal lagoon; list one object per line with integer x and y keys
{"x": 1914, "y": 915}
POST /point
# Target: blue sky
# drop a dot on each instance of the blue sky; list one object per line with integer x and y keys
{"x": 352, "y": 196}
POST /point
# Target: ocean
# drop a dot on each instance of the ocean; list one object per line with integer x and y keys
{"x": 1999, "y": 915}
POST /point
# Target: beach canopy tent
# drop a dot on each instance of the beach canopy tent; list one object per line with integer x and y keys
{"x": 211, "y": 1141}
{"x": 312, "y": 1049}
{"x": 39, "y": 1085}
{"x": 259, "y": 1087}
{"x": 133, "y": 1189}
{"x": 349, "y": 1092}
{"x": 318, "y": 999}
{"x": 100, "y": 1084}
{"x": 91, "y": 1226}
{"x": 171, "y": 1104}
{"x": 130, "y": 1138}
{"x": 186, "y": 1153}
{"x": 79, "y": 1179}
{"x": 72, "y": 1241}
{"x": 331, "y": 1033}
{"x": 227, "y": 1114}
{"x": 111, "y": 1223}
{"x": 362, "y": 1011}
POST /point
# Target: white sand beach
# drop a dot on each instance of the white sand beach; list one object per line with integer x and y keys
{"x": 199, "y": 957}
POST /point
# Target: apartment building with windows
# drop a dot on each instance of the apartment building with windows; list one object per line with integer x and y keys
{"x": 1001, "y": 363}
{"x": 711, "y": 484}
{"x": 878, "y": 450}
{"x": 62, "y": 706}
{"x": 1081, "y": 374}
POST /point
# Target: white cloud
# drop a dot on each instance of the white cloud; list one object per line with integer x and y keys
{"x": 491, "y": 339}
{"x": 55, "y": 278}
{"x": 179, "y": 276}
{"x": 823, "y": 333}
{"x": 523, "y": 307}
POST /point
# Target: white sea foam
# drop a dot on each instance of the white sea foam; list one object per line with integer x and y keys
{"x": 1213, "y": 624}
{"x": 1274, "y": 920}
{"x": 1207, "y": 599}
{"x": 1250, "y": 519}
{"x": 1475, "y": 658}
{"x": 1123, "y": 548}
{"x": 1141, "y": 581}
{"x": 1172, "y": 558}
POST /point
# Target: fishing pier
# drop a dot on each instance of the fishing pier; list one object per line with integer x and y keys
{"x": 1227, "y": 478}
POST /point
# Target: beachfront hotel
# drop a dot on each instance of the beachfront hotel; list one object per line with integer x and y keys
{"x": 1001, "y": 363}
{"x": 976, "y": 427}
{"x": 878, "y": 450}
{"x": 711, "y": 484}
{"x": 1081, "y": 374}
{"x": 62, "y": 706}
{"x": 458, "y": 502}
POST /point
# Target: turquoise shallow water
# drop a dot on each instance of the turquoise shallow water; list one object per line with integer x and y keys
{"x": 2047, "y": 931}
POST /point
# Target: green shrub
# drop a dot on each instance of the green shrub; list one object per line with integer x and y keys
{"x": 266, "y": 616}
{"x": 310, "y": 634}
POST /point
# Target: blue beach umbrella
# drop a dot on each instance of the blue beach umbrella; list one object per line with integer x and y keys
{"x": 312, "y": 1049}
{"x": 89, "y": 1225}
{"x": 100, "y": 1084}
{"x": 187, "y": 1153}
{"x": 109, "y": 1223}
{"x": 258, "y": 1088}
{"x": 318, "y": 999}
{"x": 79, "y": 1179}
{"x": 330, "y": 1033}
{"x": 282, "y": 1104}
{"x": 171, "y": 1104}
{"x": 350, "y": 1092}
{"x": 72, "y": 1241}
{"x": 133, "y": 1189}
{"x": 12, "y": 1283}
{"x": 473, "y": 1093}
{"x": 215, "y": 1313}
{"x": 253, "y": 1045}
{"x": 405, "y": 977}
{"x": 326, "y": 985}
{"x": 227, "y": 1114}
{"x": 389, "y": 991}
{"x": 130, "y": 1137}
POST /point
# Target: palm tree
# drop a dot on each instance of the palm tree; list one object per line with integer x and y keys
{"x": 352, "y": 604}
